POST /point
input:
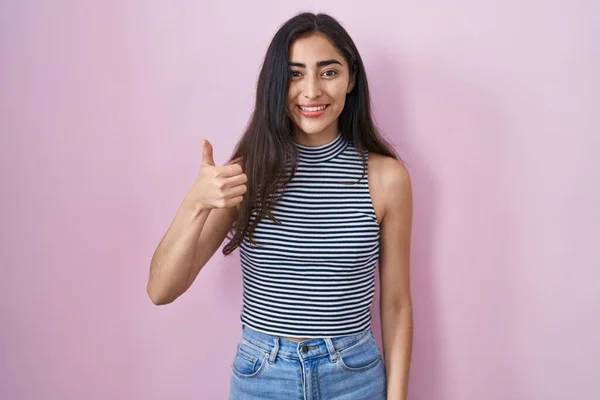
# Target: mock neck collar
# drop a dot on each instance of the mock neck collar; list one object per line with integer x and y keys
{"x": 322, "y": 153}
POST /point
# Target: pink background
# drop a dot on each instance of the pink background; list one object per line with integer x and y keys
{"x": 494, "y": 105}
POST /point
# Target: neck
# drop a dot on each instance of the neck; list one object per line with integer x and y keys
{"x": 327, "y": 135}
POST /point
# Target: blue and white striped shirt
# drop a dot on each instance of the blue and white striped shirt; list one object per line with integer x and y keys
{"x": 312, "y": 275}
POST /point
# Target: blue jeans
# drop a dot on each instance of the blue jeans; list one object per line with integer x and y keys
{"x": 268, "y": 367}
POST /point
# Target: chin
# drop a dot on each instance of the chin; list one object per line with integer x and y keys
{"x": 312, "y": 128}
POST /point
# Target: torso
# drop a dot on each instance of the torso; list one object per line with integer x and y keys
{"x": 375, "y": 168}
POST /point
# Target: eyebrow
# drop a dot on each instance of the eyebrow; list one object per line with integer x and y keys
{"x": 319, "y": 63}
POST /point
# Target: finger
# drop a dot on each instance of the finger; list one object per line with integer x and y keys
{"x": 207, "y": 153}
{"x": 236, "y": 191}
{"x": 227, "y": 171}
{"x": 235, "y": 180}
{"x": 233, "y": 202}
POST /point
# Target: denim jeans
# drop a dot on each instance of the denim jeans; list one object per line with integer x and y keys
{"x": 268, "y": 367}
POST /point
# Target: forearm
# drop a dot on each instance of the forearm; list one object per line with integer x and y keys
{"x": 397, "y": 330}
{"x": 172, "y": 261}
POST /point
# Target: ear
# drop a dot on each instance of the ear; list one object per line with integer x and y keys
{"x": 351, "y": 84}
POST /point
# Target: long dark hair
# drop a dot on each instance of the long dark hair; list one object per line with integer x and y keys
{"x": 267, "y": 147}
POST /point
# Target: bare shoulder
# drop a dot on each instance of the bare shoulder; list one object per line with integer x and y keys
{"x": 389, "y": 182}
{"x": 388, "y": 171}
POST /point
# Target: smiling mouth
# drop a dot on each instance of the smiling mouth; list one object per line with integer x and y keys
{"x": 313, "y": 109}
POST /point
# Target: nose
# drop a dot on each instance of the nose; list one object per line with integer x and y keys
{"x": 312, "y": 87}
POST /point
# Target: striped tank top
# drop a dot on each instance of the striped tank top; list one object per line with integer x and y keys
{"x": 312, "y": 275}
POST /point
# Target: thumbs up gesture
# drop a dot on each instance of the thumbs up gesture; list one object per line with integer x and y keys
{"x": 207, "y": 154}
{"x": 218, "y": 187}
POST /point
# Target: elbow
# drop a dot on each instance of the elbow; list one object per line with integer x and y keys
{"x": 158, "y": 296}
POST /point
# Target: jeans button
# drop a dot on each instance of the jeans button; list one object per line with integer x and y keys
{"x": 304, "y": 349}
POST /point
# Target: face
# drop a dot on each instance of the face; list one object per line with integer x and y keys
{"x": 319, "y": 81}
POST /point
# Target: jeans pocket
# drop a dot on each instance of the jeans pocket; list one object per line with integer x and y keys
{"x": 248, "y": 361}
{"x": 360, "y": 356}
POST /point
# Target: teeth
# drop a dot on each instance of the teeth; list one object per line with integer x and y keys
{"x": 312, "y": 109}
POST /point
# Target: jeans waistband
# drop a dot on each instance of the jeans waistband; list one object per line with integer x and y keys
{"x": 310, "y": 348}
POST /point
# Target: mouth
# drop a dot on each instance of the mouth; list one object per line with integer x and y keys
{"x": 312, "y": 111}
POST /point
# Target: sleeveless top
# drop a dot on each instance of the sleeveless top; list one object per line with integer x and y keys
{"x": 312, "y": 275}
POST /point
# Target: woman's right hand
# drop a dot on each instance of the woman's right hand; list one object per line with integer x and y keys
{"x": 217, "y": 187}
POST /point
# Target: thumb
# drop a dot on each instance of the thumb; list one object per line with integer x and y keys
{"x": 207, "y": 153}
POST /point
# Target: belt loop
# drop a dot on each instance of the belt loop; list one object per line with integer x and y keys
{"x": 330, "y": 349}
{"x": 274, "y": 350}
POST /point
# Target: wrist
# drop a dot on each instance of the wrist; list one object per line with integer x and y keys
{"x": 194, "y": 206}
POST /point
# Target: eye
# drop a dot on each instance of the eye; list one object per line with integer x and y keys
{"x": 330, "y": 73}
{"x": 295, "y": 74}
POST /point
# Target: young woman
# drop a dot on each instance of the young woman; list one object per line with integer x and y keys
{"x": 314, "y": 197}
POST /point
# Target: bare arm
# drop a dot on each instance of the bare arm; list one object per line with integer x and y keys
{"x": 394, "y": 187}
{"x": 192, "y": 239}
{"x": 197, "y": 230}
